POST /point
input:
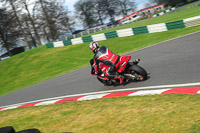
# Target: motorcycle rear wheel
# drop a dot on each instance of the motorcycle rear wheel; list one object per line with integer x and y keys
{"x": 141, "y": 72}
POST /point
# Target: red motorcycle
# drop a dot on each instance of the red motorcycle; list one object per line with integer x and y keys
{"x": 131, "y": 71}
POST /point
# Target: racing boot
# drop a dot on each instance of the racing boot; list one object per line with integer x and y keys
{"x": 121, "y": 79}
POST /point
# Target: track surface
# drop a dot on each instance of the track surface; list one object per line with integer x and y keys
{"x": 172, "y": 62}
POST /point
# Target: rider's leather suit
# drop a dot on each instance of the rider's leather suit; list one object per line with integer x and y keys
{"x": 105, "y": 56}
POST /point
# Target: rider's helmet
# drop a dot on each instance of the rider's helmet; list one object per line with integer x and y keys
{"x": 94, "y": 46}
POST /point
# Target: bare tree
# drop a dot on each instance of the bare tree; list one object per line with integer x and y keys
{"x": 41, "y": 23}
{"x": 149, "y": 3}
{"x": 54, "y": 19}
{"x": 99, "y": 10}
{"x": 28, "y": 30}
{"x": 48, "y": 20}
{"x": 126, "y": 5}
{"x": 111, "y": 8}
{"x": 93, "y": 12}
{"x": 44, "y": 4}
{"x": 13, "y": 4}
{"x": 64, "y": 23}
{"x": 9, "y": 32}
{"x": 29, "y": 18}
{"x": 85, "y": 12}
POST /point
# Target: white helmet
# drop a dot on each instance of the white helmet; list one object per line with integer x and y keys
{"x": 94, "y": 46}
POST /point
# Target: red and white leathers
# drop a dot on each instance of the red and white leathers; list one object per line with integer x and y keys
{"x": 104, "y": 55}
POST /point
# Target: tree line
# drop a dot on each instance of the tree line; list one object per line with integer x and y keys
{"x": 32, "y": 23}
{"x": 94, "y": 12}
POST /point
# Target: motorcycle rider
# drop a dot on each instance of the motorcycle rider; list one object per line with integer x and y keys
{"x": 104, "y": 55}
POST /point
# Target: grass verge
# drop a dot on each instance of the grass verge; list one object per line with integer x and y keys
{"x": 169, "y": 113}
{"x": 40, "y": 64}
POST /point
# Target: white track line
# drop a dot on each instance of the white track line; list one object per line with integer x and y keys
{"x": 148, "y": 92}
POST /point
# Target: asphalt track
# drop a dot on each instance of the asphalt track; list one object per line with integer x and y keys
{"x": 175, "y": 61}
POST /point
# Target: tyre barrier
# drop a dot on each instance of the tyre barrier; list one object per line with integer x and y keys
{"x": 10, "y": 129}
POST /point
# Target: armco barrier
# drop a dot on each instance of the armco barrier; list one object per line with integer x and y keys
{"x": 104, "y": 27}
{"x": 189, "y": 22}
{"x": 157, "y": 28}
{"x": 125, "y": 32}
{"x": 99, "y": 37}
{"x": 140, "y": 30}
{"x": 162, "y": 13}
{"x": 87, "y": 39}
{"x": 77, "y": 41}
{"x": 58, "y": 44}
{"x": 50, "y": 45}
{"x": 67, "y": 42}
{"x": 112, "y": 34}
{"x": 175, "y": 25}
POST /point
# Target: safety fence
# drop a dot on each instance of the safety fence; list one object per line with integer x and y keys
{"x": 189, "y": 22}
{"x": 104, "y": 27}
{"x": 164, "y": 12}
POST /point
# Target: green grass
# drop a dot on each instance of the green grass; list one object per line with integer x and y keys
{"x": 195, "y": 11}
{"x": 188, "y": 6}
{"x": 41, "y": 63}
{"x": 171, "y": 113}
{"x": 158, "y": 113}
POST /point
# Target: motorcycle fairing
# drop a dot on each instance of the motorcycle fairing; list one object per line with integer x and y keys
{"x": 122, "y": 63}
{"x": 106, "y": 56}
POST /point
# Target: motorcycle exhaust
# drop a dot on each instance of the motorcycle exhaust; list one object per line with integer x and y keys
{"x": 130, "y": 76}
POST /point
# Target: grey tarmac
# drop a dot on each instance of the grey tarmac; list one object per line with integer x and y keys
{"x": 175, "y": 61}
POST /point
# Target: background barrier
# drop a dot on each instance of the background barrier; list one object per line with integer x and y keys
{"x": 125, "y": 32}
{"x": 140, "y": 30}
{"x": 77, "y": 41}
{"x": 99, "y": 37}
{"x": 194, "y": 21}
{"x": 112, "y": 34}
{"x": 162, "y": 13}
{"x": 67, "y": 42}
{"x": 175, "y": 25}
{"x": 157, "y": 28}
{"x": 189, "y": 22}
